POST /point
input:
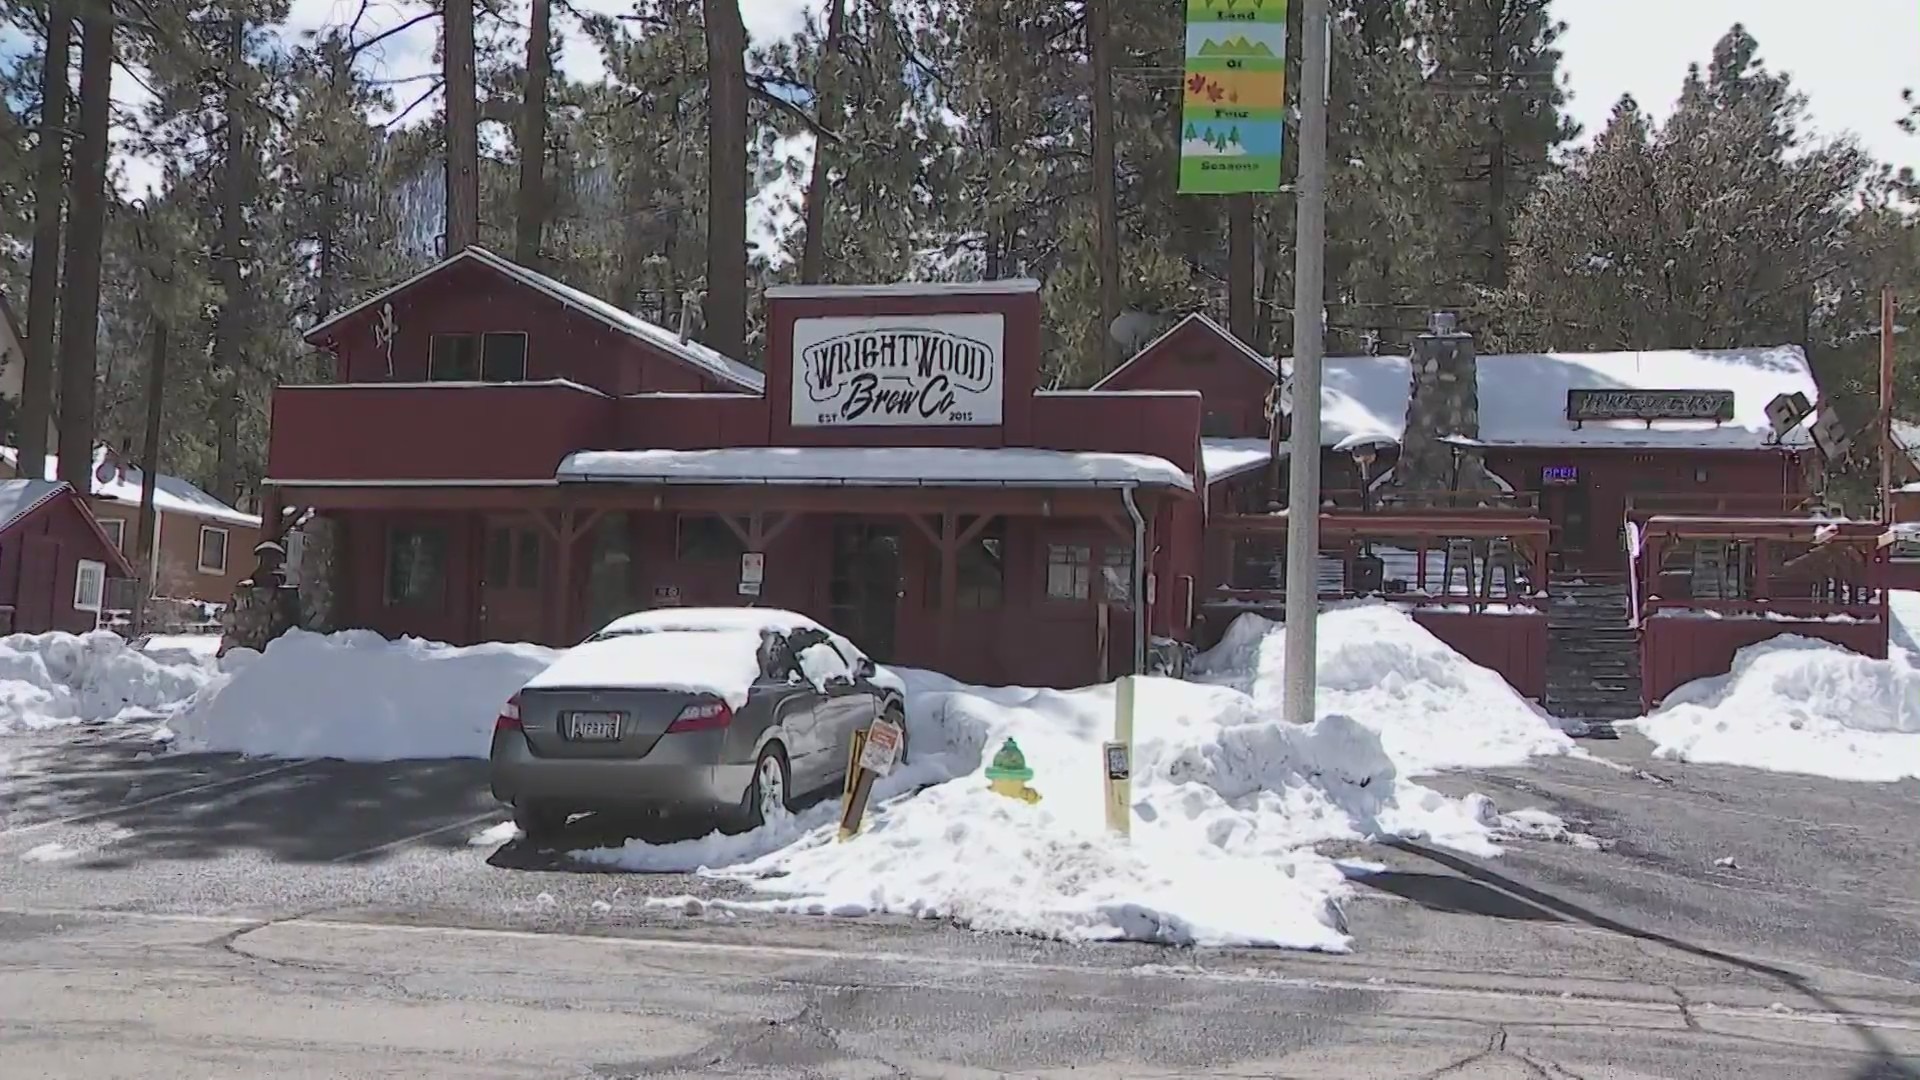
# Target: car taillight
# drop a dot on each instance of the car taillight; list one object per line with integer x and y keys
{"x": 509, "y": 718}
{"x": 701, "y": 716}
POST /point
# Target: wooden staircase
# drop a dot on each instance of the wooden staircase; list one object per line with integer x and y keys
{"x": 1593, "y": 652}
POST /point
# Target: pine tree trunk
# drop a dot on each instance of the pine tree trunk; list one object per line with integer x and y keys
{"x": 230, "y": 320}
{"x": 813, "y": 253}
{"x": 1240, "y": 267}
{"x": 530, "y": 218}
{"x": 144, "y": 536}
{"x": 80, "y": 312}
{"x": 463, "y": 129}
{"x": 1105, "y": 202}
{"x": 726, "y": 303}
{"x": 43, "y": 288}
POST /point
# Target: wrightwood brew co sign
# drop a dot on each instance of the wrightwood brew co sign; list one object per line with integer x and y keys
{"x": 899, "y": 371}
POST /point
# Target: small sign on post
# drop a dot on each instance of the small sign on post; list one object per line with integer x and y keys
{"x": 1117, "y": 760}
{"x": 874, "y": 752}
{"x": 753, "y": 571}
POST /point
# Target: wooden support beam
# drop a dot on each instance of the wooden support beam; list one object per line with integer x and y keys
{"x": 562, "y": 630}
{"x": 949, "y": 581}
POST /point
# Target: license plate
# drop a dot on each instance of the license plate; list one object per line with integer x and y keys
{"x": 593, "y": 726}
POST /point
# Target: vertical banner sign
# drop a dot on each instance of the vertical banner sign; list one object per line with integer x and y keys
{"x": 1235, "y": 93}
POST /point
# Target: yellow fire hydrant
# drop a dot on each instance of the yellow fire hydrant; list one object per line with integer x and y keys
{"x": 1008, "y": 774}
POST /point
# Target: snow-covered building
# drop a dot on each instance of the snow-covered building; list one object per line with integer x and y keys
{"x": 55, "y": 560}
{"x": 505, "y": 457}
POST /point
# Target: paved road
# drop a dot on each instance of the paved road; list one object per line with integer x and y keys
{"x": 228, "y": 918}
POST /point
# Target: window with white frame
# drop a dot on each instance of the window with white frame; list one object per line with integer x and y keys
{"x": 213, "y": 550}
{"x": 89, "y": 585}
{"x": 116, "y": 530}
{"x": 1069, "y": 571}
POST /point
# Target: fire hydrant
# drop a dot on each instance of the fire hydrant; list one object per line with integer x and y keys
{"x": 1008, "y": 774}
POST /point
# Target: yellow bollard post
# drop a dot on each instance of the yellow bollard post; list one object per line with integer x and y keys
{"x": 1118, "y": 762}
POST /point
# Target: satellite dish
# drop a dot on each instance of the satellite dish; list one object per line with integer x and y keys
{"x": 105, "y": 472}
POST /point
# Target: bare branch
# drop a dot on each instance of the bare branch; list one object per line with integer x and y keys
{"x": 778, "y": 102}
{"x": 360, "y": 47}
{"x": 412, "y": 105}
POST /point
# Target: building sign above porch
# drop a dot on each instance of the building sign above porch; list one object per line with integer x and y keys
{"x": 899, "y": 371}
{"x": 1649, "y": 405}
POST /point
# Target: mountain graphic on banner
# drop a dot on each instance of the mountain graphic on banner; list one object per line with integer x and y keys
{"x": 1239, "y": 46}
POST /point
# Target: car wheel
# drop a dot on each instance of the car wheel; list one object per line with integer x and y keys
{"x": 770, "y": 795}
{"x": 539, "y": 822}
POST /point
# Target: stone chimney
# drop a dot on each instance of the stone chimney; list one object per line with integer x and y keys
{"x": 1444, "y": 403}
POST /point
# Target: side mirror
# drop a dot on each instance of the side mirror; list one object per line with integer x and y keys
{"x": 865, "y": 668}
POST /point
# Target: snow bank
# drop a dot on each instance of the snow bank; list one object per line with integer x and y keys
{"x": 52, "y": 679}
{"x": 357, "y": 696}
{"x": 1792, "y": 704}
{"x": 1228, "y": 802}
{"x": 1432, "y": 708}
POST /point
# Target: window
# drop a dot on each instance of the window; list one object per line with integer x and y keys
{"x": 979, "y": 570}
{"x": 89, "y": 585}
{"x": 503, "y": 358}
{"x": 454, "y": 358}
{"x": 416, "y": 566}
{"x": 497, "y": 357}
{"x": 116, "y": 530}
{"x": 1116, "y": 575}
{"x": 706, "y": 538}
{"x": 213, "y": 550}
{"x": 1069, "y": 571}
{"x": 513, "y": 558}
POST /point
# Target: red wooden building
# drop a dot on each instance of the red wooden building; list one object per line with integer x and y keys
{"x": 54, "y": 559}
{"x": 505, "y": 457}
{"x": 508, "y": 458}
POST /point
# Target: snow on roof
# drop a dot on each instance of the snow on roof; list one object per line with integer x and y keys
{"x": 1224, "y": 459}
{"x": 1523, "y": 396}
{"x": 876, "y": 466}
{"x": 1907, "y": 435}
{"x": 18, "y": 498}
{"x": 723, "y": 367}
{"x": 1009, "y": 286}
{"x": 171, "y": 495}
{"x": 11, "y": 332}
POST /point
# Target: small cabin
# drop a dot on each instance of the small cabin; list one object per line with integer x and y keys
{"x": 55, "y": 560}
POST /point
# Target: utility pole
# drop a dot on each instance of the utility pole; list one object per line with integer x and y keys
{"x": 1886, "y": 404}
{"x": 1309, "y": 305}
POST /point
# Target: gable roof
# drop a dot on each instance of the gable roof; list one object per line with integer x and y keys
{"x": 21, "y": 499}
{"x": 171, "y": 494}
{"x": 1200, "y": 320}
{"x": 1523, "y": 396}
{"x": 708, "y": 361}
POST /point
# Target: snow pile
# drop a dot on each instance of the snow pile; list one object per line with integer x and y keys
{"x": 1433, "y": 708}
{"x": 357, "y": 696}
{"x": 58, "y": 678}
{"x": 1228, "y": 803}
{"x": 1792, "y": 704}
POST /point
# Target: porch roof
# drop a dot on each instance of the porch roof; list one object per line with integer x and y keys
{"x": 874, "y": 466}
{"x": 1224, "y": 459}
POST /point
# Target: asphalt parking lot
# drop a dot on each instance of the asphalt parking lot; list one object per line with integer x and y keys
{"x": 1816, "y": 915}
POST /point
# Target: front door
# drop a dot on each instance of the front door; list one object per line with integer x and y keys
{"x": 1568, "y": 506}
{"x": 39, "y": 581}
{"x": 512, "y": 599}
{"x": 863, "y": 585}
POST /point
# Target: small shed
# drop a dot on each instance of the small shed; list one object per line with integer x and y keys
{"x": 55, "y": 560}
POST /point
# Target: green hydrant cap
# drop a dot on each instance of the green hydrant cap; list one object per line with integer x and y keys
{"x": 1009, "y": 764}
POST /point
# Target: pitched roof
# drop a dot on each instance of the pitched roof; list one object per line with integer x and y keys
{"x": 708, "y": 361}
{"x": 1523, "y": 396}
{"x": 19, "y": 499}
{"x": 171, "y": 494}
{"x": 1200, "y": 319}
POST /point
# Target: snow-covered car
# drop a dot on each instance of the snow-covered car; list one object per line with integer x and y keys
{"x": 721, "y": 712}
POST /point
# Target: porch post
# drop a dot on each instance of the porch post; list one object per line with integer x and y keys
{"x": 949, "y": 580}
{"x": 563, "y": 573}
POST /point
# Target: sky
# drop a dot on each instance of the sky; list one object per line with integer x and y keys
{"x": 1850, "y": 57}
